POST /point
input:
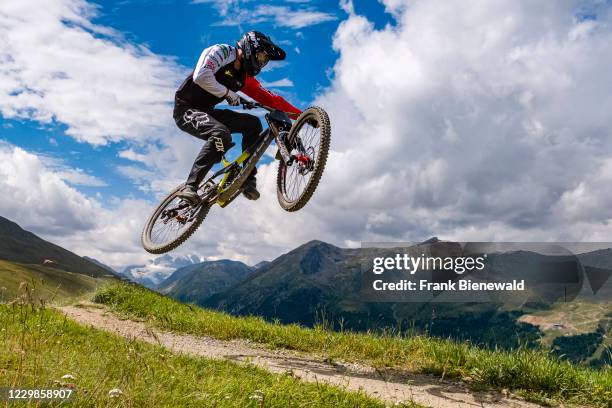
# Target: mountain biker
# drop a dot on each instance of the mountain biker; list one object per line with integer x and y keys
{"x": 221, "y": 71}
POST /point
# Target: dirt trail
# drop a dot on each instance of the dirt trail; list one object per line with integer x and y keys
{"x": 388, "y": 386}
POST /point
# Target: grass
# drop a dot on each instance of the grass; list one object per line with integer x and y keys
{"x": 39, "y": 346}
{"x": 533, "y": 374}
{"x": 44, "y": 283}
{"x": 578, "y": 316}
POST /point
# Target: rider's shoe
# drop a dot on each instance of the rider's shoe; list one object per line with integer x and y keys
{"x": 189, "y": 193}
{"x": 250, "y": 188}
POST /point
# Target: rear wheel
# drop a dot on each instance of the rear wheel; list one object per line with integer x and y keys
{"x": 308, "y": 141}
{"x": 172, "y": 222}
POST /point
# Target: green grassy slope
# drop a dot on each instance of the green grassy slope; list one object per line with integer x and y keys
{"x": 39, "y": 347}
{"x": 531, "y": 373}
{"x": 19, "y": 245}
{"x": 49, "y": 284}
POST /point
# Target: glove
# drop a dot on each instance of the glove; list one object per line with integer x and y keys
{"x": 232, "y": 98}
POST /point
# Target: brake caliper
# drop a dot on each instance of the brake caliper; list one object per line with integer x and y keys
{"x": 305, "y": 162}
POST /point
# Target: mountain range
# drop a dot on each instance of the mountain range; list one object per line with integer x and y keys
{"x": 191, "y": 284}
{"x": 319, "y": 283}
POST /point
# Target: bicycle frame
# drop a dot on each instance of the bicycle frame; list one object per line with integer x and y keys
{"x": 228, "y": 166}
{"x": 277, "y": 121}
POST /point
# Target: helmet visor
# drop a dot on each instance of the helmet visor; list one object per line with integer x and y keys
{"x": 262, "y": 58}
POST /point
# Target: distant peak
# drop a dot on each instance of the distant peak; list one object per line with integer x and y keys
{"x": 318, "y": 244}
{"x": 260, "y": 264}
{"x": 432, "y": 240}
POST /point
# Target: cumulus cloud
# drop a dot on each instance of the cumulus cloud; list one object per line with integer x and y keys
{"x": 56, "y": 65}
{"x": 74, "y": 176}
{"x": 471, "y": 121}
{"x": 294, "y": 18}
{"x": 491, "y": 116}
{"x": 467, "y": 120}
{"x": 104, "y": 90}
{"x": 38, "y": 195}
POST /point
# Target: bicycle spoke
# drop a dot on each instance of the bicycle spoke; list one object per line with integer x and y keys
{"x": 166, "y": 230}
{"x": 297, "y": 176}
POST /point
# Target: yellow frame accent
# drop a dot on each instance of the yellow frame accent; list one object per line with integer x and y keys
{"x": 239, "y": 160}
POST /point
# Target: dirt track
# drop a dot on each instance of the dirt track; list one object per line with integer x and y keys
{"x": 388, "y": 386}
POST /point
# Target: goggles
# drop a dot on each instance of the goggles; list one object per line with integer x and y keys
{"x": 262, "y": 58}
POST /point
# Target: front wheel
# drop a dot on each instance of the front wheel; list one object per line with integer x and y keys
{"x": 172, "y": 222}
{"x": 308, "y": 142}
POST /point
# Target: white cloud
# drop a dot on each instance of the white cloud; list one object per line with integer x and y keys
{"x": 78, "y": 177}
{"x": 223, "y": 7}
{"x": 55, "y": 65}
{"x": 477, "y": 120}
{"x": 281, "y": 83}
{"x": 74, "y": 176}
{"x": 272, "y": 65}
{"x": 589, "y": 200}
{"x": 90, "y": 79}
{"x": 468, "y": 118}
{"x": 287, "y": 17}
{"x": 236, "y": 13}
{"x": 37, "y": 194}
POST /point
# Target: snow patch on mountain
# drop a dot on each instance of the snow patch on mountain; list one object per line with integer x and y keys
{"x": 158, "y": 269}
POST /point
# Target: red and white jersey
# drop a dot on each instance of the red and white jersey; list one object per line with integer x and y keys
{"x": 215, "y": 73}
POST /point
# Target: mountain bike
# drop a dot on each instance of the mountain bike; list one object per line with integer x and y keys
{"x": 303, "y": 147}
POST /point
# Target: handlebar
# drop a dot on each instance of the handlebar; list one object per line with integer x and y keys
{"x": 246, "y": 104}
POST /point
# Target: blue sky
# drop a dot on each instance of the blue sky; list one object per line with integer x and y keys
{"x": 180, "y": 30}
{"x": 465, "y": 120}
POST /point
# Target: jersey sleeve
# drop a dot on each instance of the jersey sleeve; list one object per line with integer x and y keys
{"x": 211, "y": 60}
{"x": 253, "y": 88}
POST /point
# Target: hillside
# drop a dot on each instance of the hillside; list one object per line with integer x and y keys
{"x": 19, "y": 245}
{"x": 195, "y": 283}
{"x": 47, "y": 271}
{"x": 101, "y": 264}
{"x": 49, "y": 284}
{"x": 294, "y": 286}
{"x": 107, "y": 370}
{"x": 318, "y": 282}
{"x": 531, "y": 373}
